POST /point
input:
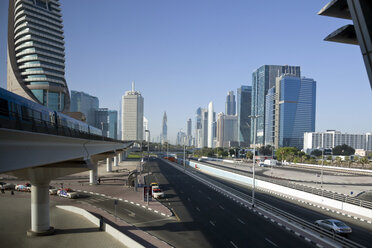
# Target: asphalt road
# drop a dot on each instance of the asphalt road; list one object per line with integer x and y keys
{"x": 220, "y": 220}
{"x": 362, "y": 231}
{"x": 203, "y": 217}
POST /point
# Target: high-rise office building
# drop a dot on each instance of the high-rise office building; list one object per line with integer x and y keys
{"x": 290, "y": 111}
{"x": 132, "y": 115}
{"x": 181, "y": 138}
{"x": 211, "y": 123}
{"x": 198, "y": 128}
{"x": 164, "y": 133}
{"x": 332, "y": 138}
{"x": 189, "y": 132}
{"x": 244, "y": 101}
{"x": 36, "y": 53}
{"x": 86, "y": 104}
{"x": 204, "y": 128}
{"x": 230, "y": 105}
{"x": 146, "y": 135}
{"x": 112, "y": 124}
{"x": 101, "y": 120}
{"x": 262, "y": 80}
{"x": 227, "y": 130}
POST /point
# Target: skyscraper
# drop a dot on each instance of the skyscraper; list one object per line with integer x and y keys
{"x": 36, "y": 53}
{"x": 164, "y": 134}
{"x": 112, "y": 124}
{"x": 244, "y": 101}
{"x": 181, "y": 138}
{"x": 189, "y": 132}
{"x": 146, "y": 135}
{"x": 107, "y": 121}
{"x": 230, "y": 105}
{"x": 290, "y": 111}
{"x": 262, "y": 80}
{"x": 132, "y": 115}
{"x": 86, "y": 104}
{"x": 227, "y": 130}
{"x": 211, "y": 123}
{"x": 198, "y": 128}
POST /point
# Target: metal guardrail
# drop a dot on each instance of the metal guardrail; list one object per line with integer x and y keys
{"x": 247, "y": 199}
{"x": 308, "y": 189}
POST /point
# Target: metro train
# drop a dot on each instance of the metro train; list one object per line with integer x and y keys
{"x": 17, "y": 112}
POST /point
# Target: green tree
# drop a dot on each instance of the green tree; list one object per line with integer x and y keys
{"x": 338, "y": 161}
{"x": 266, "y": 150}
{"x": 364, "y": 161}
{"x": 287, "y": 153}
{"x": 316, "y": 153}
{"x": 249, "y": 155}
{"x": 344, "y": 150}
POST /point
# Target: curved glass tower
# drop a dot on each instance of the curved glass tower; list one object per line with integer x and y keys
{"x": 36, "y": 53}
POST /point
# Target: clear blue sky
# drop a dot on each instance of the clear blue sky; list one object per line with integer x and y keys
{"x": 183, "y": 54}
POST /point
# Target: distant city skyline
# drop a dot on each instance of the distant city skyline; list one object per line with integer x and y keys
{"x": 186, "y": 62}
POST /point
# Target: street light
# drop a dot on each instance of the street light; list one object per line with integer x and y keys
{"x": 184, "y": 155}
{"x": 148, "y": 161}
{"x": 321, "y": 171}
{"x": 254, "y": 117}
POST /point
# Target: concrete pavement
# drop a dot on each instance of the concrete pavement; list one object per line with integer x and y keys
{"x": 71, "y": 230}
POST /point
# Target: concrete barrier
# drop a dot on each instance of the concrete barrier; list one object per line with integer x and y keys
{"x": 121, "y": 237}
{"x": 365, "y": 212}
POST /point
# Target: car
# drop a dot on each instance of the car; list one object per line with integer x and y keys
{"x": 335, "y": 226}
{"x": 154, "y": 184}
{"x": 4, "y": 185}
{"x": 68, "y": 193}
{"x": 157, "y": 193}
{"x": 23, "y": 187}
{"x": 52, "y": 190}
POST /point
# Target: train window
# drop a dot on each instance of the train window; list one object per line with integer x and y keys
{"x": 26, "y": 113}
{"x": 4, "y": 107}
{"x": 37, "y": 115}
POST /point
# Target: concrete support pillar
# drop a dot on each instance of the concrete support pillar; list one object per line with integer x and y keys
{"x": 108, "y": 164}
{"x": 115, "y": 161}
{"x": 40, "y": 224}
{"x": 120, "y": 157}
{"x": 93, "y": 175}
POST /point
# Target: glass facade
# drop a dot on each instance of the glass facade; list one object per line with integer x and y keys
{"x": 270, "y": 117}
{"x": 262, "y": 80}
{"x": 37, "y": 49}
{"x": 297, "y": 110}
{"x": 113, "y": 124}
{"x": 244, "y": 101}
{"x": 86, "y": 104}
{"x": 230, "y": 105}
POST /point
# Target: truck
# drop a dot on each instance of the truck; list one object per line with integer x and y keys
{"x": 270, "y": 162}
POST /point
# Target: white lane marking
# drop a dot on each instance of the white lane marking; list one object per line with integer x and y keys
{"x": 200, "y": 191}
{"x": 212, "y": 223}
{"x": 209, "y": 198}
{"x": 271, "y": 242}
{"x": 221, "y": 207}
{"x": 241, "y": 221}
{"x": 188, "y": 198}
{"x": 233, "y": 244}
{"x": 197, "y": 209}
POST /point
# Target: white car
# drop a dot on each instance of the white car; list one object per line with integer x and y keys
{"x": 157, "y": 193}
{"x": 52, "y": 190}
{"x": 23, "y": 187}
{"x": 335, "y": 226}
{"x": 68, "y": 193}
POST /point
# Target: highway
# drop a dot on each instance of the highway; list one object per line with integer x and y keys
{"x": 203, "y": 217}
{"x": 362, "y": 231}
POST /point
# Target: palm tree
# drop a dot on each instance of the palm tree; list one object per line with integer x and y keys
{"x": 338, "y": 160}
{"x": 364, "y": 160}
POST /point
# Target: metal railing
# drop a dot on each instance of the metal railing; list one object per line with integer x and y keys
{"x": 308, "y": 189}
{"x": 246, "y": 199}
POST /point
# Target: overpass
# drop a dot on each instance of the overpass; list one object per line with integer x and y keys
{"x": 41, "y": 157}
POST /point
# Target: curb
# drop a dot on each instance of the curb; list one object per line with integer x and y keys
{"x": 121, "y": 237}
{"x": 124, "y": 200}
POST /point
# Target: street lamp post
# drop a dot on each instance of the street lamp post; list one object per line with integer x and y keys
{"x": 254, "y": 117}
{"x": 184, "y": 156}
{"x": 148, "y": 161}
{"x": 321, "y": 171}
